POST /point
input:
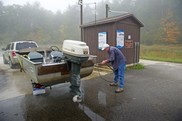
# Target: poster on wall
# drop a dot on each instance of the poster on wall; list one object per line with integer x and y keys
{"x": 120, "y": 38}
{"x": 102, "y": 39}
{"x": 128, "y": 44}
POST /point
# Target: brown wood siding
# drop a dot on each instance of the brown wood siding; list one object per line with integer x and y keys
{"x": 130, "y": 27}
{"x": 91, "y": 38}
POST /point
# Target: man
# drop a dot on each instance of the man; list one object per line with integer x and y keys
{"x": 118, "y": 62}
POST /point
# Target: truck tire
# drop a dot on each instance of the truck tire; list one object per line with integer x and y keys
{"x": 11, "y": 65}
{"x": 4, "y": 60}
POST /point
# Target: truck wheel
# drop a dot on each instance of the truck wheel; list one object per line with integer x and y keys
{"x": 11, "y": 64}
{"x": 4, "y": 60}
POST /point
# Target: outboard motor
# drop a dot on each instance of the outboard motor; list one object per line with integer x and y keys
{"x": 76, "y": 52}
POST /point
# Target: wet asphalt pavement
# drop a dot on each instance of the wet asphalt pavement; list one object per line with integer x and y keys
{"x": 151, "y": 94}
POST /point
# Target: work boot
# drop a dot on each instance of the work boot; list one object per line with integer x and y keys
{"x": 119, "y": 90}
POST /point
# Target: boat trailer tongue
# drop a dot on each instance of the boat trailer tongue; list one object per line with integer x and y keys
{"x": 76, "y": 52}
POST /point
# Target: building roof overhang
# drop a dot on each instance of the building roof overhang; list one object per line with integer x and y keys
{"x": 111, "y": 20}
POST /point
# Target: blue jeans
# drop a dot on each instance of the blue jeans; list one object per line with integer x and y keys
{"x": 119, "y": 75}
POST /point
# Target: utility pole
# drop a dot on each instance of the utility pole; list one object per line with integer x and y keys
{"x": 107, "y": 10}
{"x": 80, "y": 2}
{"x": 81, "y": 17}
{"x": 162, "y": 8}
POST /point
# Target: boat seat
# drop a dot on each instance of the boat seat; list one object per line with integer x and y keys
{"x": 56, "y": 56}
{"x": 35, "y": 57}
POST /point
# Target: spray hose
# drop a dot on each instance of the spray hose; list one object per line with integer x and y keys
{"x": 98, "y": 70}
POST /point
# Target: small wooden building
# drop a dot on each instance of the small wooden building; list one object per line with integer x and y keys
{"x": 122, "y": 31}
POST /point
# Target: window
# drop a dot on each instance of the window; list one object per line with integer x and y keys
{"x": 12, "y": 46}
{"x": 24, "y": 45}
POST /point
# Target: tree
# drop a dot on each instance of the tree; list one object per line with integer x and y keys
{"x": 170, "y": 31}
{"x": 71, "y": 23}
{"x": 32, "y": 21}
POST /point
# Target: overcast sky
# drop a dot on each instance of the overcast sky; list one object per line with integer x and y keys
{"x": 52, "y": 5}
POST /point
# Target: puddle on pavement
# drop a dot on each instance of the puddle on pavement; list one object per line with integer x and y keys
{"x": 55, "y": 105}
{"x": 18, "y": 103}
{"x": 93, "y": 116}
{"x": 14, "y": 83}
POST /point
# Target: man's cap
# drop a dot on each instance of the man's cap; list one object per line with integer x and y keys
{"x": 104, "y": 46}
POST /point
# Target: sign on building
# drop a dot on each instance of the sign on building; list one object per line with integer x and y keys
{"x": 120, "y": 38}
{"x": 102, "y": 39}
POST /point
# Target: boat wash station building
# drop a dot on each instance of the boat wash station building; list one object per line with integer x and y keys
{"x": 121, "y": 31}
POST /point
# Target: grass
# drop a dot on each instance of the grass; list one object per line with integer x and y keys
{"x": 169, "y": 53}
{"x": 138, "y": 66}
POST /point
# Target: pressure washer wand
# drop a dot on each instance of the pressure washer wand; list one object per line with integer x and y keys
{"x": 99, "y": 64}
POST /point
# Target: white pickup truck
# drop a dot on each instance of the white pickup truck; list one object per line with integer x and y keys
{"x": 9, "y": 53}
